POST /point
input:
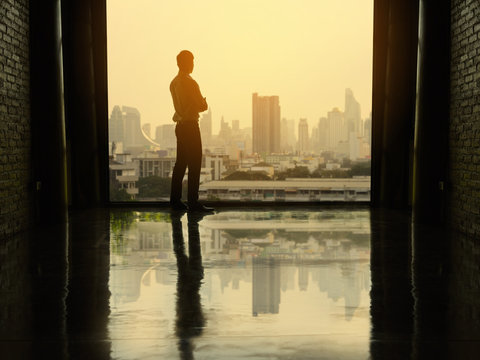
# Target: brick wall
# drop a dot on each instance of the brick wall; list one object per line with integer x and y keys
{"x": 464, "y": 135}
{"x": 14, "y": 117}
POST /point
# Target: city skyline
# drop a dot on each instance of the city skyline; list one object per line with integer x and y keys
{"x": 268, "y": 150}
{"x": 310, "y": 52}
{"x": 354, "y": 122}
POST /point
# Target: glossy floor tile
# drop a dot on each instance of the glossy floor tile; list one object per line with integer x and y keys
{"x": 272, "y": 283}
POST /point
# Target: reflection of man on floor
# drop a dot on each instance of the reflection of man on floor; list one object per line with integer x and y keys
{"x": 190, "y": 320}
{"x": 188, "y": 102}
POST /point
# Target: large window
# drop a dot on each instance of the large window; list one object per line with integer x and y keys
{"x": 288, "y": 85}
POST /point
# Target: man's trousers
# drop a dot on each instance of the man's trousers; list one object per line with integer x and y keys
{"x": 189, "y": 154}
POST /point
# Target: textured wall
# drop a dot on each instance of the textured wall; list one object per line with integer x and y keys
{"x": 15, "y": 146}
{"x": 465, "y": 117}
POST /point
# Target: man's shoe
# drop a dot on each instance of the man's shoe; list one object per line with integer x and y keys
{"x": 178, "y": 206}
{"x": 200, "y": 208}
{"x": 194, "y": 217}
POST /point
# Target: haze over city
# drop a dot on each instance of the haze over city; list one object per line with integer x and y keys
{"x": 305, "y": 51}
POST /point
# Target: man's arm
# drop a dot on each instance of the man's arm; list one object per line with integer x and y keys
{"x": 200, "y": 101}
{"x": 189, "y": 99}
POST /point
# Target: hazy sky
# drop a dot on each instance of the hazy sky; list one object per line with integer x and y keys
{"x": 305, "y": 51}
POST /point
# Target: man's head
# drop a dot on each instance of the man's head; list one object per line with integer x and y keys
{"x": 185, "y": 61}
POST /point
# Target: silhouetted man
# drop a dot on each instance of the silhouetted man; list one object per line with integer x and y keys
{"x": 188, "y": 102}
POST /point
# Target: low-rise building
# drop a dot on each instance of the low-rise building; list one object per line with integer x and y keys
{"x": 126, "y": 176}
{"x": 151, "y": 164}
{"x": 295, "y": 190}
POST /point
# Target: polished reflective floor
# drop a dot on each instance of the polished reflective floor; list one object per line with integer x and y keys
{"x": 271, "y": 283}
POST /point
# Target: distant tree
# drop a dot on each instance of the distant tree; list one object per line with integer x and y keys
{"x": 263, "y": 163}
{"x": 246, "y": 233}
{"x": 153, "y": 186}
{"x": 361, "y": 168}
{"x": 259, "y": 175}
{"x": 331, "y": 174}
{"x": 117, "y": 194}
{"x": 328, "y": 155}
{"x": 248, "y": 175}
{"x": 238, "y": 175}
{"x": 227, "y": 173}
{"x": 346, "y": 163}
{"x": 296, "y": 172}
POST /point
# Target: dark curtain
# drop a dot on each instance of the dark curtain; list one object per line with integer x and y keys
{"x": 86, "y": 107}
{"x": 47, "y": 113}
{"x": 393, "y": 107}
{"x": 432, "y": 112}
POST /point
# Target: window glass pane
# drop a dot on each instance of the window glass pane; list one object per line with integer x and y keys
{"x": 288, "y": 86}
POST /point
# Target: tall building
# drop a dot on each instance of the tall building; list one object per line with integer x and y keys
{"x": 235, "y": 126}
{"x": 303, "y": 137}
{"x": 287, "y": 135}
{"x": 225, "y": 132}
{"x": 367, "y": 130}
{"x": 147, "y": 129}
{"x": 314, "y": 141}
{"x": 352, "y": 114}
{"x": 206, "y": 127}
{"x": 116, "y": 126}
{"x": 322, "y": 132}
{"x": 165, "y": 136}
{"x": 266, "y": 124}
{"x": 133, "y": 131}
{"x": 125, "y": 127}
{"x": 337, "y": 131}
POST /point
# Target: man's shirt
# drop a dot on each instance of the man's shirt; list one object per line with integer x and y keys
{"x": 187, "y": 98}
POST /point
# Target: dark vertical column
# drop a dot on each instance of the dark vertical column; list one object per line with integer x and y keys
{"x": 88, "y": 306}
{"x": 430, "y": 273}
{"x": 84, "y": 26}
{"x": 48, "y": 122}
{"x": 395, "y": 49}
{"x": 391, "y": 293}
{"x": 49, "y": 269}
{"x": 380, "y": 41}
{"x": 432, "y": 111}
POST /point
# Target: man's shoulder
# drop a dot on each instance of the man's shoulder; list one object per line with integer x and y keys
{"x": 174, "y": 80}
{"x": 182, "y": 79}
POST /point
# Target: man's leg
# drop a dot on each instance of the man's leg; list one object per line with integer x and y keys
{"x": 194, "y": 167}
{"x": 180, "y": 165}
{"x": 194, "y": 164}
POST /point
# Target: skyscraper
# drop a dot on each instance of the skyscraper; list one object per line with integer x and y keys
{"x": 322, "y": 132}
{"x": 165, "y": 136}
{"x": 147, "y": 129}
{"x": 303, "y": 136}
{"x": 266, "y": 124}
{"x": 315, "y": 140}
{"x": 352, "y": 114}
{"x": 225, "y": 133}
{"x": 367, "y": 130}
{"x": 116, "y": 126}
{"x": 206, "y": 127}
{"x": 133, "y": 131}
{"x": 337, "y": 129}
{"x": 287, "y": 135}
{"x": 124, "y": 126}
{"x": 235, "y": 126}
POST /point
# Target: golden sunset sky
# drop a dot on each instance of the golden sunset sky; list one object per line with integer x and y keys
{"x": 305, "y": 51}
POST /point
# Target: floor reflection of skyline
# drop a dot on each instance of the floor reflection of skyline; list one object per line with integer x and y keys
{"x": 256, "y": 265}
{"x": 295, "y": 257}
